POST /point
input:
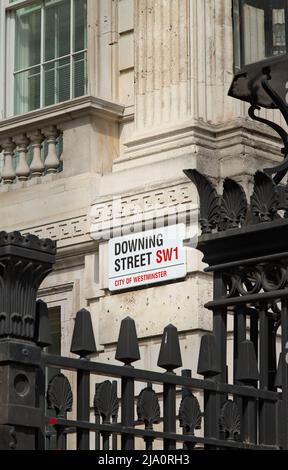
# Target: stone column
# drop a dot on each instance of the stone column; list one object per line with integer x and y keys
{"x": 24, "y": 263}
{"x": 162, "y": 62}
{"x": 183, "y": 62}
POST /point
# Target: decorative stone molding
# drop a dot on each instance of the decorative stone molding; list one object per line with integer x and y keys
{"x": 62, "y": 231}
{"x": 139, "y": 211}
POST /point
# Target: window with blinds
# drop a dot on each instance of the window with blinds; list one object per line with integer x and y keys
{"x": 260, "y": 30}
{"x": 50, "y": 53}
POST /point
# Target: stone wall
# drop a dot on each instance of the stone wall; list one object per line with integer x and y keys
{"x": 160, "y": 70}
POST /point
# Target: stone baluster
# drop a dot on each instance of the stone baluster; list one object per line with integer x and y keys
{"x": 37, "y": 165}
{"x": 52, "y": 161}
{"x": 8, "y": 172}
{"x": 22, "y": 170}
{"x": 60, "y": 139}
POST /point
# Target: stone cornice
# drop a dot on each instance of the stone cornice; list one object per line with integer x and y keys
{"x": 62, "y": 112}
{"x": 197, "y": 137}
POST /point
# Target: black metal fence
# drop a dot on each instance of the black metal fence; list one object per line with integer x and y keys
{"x": 241, "y": 401}
{"x": 221, "y": 430}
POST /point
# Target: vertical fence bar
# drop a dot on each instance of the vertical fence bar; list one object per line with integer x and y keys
{"x": 251, "y": 410}
{"x": 272, "y": 367}
{"x": 185, "y": 373}
{"x": 247, "y": 374}
{"x": 263, "y": 366}
{"x": 239, "y": 334}
{"x": 114, "y": 420}
{"x": 249, "y": 417}
{"x": 254, "y": 316}
{"x": 209, "y": 367}
{"x": 83, "y": 344}
{"x": 149, "y": 443}
{"x": 61, "y": 438}
{"x": 44, "y": 339}
{"x": 41, "y": 437}
{"x": 169, "y": 359}
{"x": 127, "y": 411}
{"x": 284, "y": 365}
{"x": 97, "y": 433}
{"x": 238, "y": 337}
{"x": 169, "y": 407}
{"x": 267, "y": 410}
{"x": 220, "y": 334}
{"x": 106, "y": 440}
{"x": 48, "y": 442}
{"x": 188, "y": 420}
{"x": 127, "y": 352}
{"x": 83, "y": 408}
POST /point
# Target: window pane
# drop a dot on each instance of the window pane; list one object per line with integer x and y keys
{"x": 54, "y": 315}
{"x": 27, "y": 90}
{"x": 254, "y": 34}
{"x": 259, "y": 29}
{"x": 57, "y": 28}
{"x": 79, "y": 74}
{"x": 44, "y": 33}
{"x": 279, "y": 35}
{"x": 49, "y": 80}
{"x": 63, "y": 78}
{"x": 57, "y": 81}
{"x": 28, "y": 37}
{"x": 80, "y": 25}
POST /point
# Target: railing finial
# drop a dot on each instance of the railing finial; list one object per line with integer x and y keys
{"x": 170, "y": 354}
{"x": 83, "y": 341}
{"x": 127, "y": 347}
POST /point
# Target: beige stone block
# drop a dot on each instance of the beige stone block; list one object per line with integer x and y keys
{"x": 153, "y": 308}
{"x": 126, "y": 51}
{"x": 126, "y": 87}
{"x": 125, "y": 15}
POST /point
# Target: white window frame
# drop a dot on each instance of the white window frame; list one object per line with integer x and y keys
{"x": 7, "y": 49}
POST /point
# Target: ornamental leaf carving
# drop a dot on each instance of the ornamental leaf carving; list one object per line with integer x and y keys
{"x": 3, "y": 323}
{"x": 8, "y": 437}
{"x": 13, "y": 439}
{"x": 59, "y": 395}
{"x": 209, "y": 201}
{"x": 230, "y": 420}
{"x": 265, "y": 198}
{"x": 106, "y": 403}
{"x": 190, "y": 414}
{"x": 148, "y": 409}
{"x": 233, "y": 205}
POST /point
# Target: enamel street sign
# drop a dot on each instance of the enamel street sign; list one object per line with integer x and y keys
{"x": 147, "y": 257}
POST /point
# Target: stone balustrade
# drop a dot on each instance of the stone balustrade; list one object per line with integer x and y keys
{"x": 58, "y": 141}
{"x": 31, "y": 153}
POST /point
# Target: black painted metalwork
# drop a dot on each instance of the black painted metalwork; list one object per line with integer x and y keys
{"x": 250, "y": 267}
{"x": 24, "y": 262}
{"x": 264, "y": 84}
{"x": 245, "y": 395}
{"x": 83, "y": 344}
{"x": 60, "y": 399}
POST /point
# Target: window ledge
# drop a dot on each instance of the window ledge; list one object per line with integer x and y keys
{"x": 67, "y": 110}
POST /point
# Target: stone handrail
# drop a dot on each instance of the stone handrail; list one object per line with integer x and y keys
{"x": 15, "y": 149}
{"x": 33, "y": 145}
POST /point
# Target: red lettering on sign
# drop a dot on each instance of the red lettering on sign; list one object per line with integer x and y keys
{"x": 167, "y": 255}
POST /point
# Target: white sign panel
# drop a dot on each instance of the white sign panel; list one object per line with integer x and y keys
{"x": 147, "y": 257}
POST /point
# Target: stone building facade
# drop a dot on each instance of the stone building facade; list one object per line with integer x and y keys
{"x": 157, "y": 74}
